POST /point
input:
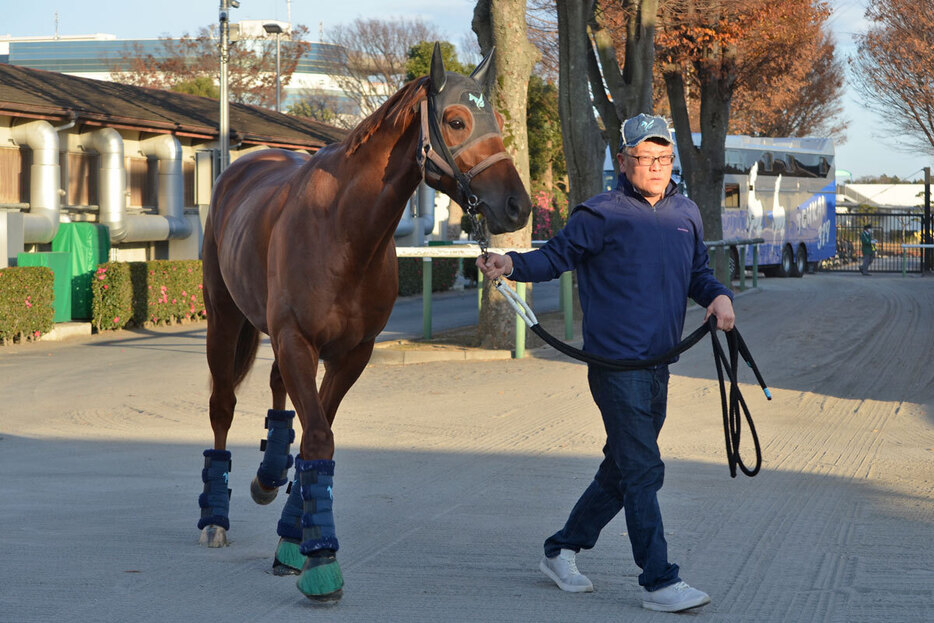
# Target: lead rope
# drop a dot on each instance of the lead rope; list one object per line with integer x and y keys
{"x": 732, "y": 404}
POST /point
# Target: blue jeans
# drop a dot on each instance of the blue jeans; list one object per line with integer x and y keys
{"x": 633, "y": 408}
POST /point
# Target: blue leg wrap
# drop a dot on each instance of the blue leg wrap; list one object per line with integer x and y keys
{"x": 274, "y": 469}
{"x": 215, "y": 501}
{"x": 290, "y": 522}
{"x": 316, "y": 479}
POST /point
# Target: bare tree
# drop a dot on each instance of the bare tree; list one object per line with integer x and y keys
{"x": 713, "y": 46}
{"x": 892, "y": 68}
{"x": 501, "y": 24}
{"x": 542, "y": 24}
{"x": 374, "y": 52}
{"x": 621, "y": 93}
{"x": 583, "y": 144}
{"x": 188, "y": 60}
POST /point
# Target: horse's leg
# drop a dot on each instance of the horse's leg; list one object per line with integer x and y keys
{"x": 231, "y": 346}
{"x": 320, "y": 578}
{"x": 339, "y": 376}
{"x": 273, "y": 471}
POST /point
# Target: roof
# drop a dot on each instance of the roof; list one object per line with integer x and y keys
{"x": 884, "y": 195}
{"x": 48, "y": 95}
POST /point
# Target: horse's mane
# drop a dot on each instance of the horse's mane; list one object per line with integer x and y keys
{"x": 399, "y": 109}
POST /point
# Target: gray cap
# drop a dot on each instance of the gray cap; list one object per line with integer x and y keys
{"x": 642, "y": 127}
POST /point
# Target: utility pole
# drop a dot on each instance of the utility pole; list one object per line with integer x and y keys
{"x": 274, "y": 28}
{"x": 928, "y": 254}
{"x": 224, "y": 129}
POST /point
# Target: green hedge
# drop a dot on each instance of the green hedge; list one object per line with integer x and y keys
{"x": 26, "y": 297}
{"x": 146, "y": 294}
{"x": 443, "y": 273}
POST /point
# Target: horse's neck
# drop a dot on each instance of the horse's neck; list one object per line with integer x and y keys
{"x": 389, "y": 163}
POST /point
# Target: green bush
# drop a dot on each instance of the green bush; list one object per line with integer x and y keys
{"x": 443, "y": 274}
{"x": 145, "y": 294}
{"x": 26, "y": 297}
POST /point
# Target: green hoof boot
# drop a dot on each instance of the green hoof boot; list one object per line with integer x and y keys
{"x": 289, "y": 558}
{"x": 321, "y": 578}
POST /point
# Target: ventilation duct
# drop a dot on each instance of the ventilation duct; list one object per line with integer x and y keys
{"x": 41, "y": 223}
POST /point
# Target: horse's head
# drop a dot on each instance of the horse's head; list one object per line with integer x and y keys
{"x": 462, "y": 140}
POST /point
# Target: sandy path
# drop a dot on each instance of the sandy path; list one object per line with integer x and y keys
{"x": 449, "y": 476}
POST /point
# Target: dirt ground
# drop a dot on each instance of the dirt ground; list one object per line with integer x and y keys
{"x": 451, "y": 474}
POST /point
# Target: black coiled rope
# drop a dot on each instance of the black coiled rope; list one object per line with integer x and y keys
{"x": 732, "y": 403}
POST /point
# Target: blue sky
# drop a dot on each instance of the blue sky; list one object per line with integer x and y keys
{"x": 865, "y": 152}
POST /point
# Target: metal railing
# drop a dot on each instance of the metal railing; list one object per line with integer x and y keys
{"x": 565, "y": 294}
{"x": 740, "y": 244}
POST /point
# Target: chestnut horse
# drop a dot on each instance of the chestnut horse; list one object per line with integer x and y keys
{"x": 301, "y": 248}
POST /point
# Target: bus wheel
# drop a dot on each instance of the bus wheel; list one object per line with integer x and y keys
{"x": 787, "y": 267}
{"x": 801, "y": 261}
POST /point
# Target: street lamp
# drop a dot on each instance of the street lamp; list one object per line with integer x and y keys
{"x": 224, "y": 130}
{"x": 273, "y": 28}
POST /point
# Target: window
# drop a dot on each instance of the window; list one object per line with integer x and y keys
{"x": 731, "y": 196}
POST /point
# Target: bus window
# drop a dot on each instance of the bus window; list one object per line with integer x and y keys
{"x": 731, "y": 196}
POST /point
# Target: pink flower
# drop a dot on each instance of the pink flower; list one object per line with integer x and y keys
{"x": 106, "y": 287}
{"x": 36, "y": 334}
{"x": 173, "y": 301}
{"x": 116, "y": 319}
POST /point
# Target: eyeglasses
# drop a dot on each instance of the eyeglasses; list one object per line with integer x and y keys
{"x": 647, "y": 161}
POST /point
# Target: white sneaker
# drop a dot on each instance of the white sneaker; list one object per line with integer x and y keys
{"x": 563, "y": 570}
{"x": 674, "y": 598}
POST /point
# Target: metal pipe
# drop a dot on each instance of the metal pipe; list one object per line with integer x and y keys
{"x": 170, "y": 201}
{"x": 111, "y": 187}
{"x": 224, "y": 129}
{"x": 41, "y": 223}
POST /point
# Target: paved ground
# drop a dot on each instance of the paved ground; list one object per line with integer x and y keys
{"x": 450, "y": 475}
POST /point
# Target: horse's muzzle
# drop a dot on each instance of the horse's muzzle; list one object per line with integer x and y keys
{"x": 511, "y": 215}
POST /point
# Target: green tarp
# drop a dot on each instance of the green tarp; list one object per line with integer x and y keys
{"x": 87, "y": 244}
{"x": 60, "y": 265}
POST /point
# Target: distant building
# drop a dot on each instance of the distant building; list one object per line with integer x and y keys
{"x": 899, "y": 197}
{"x": 96, "y": 55}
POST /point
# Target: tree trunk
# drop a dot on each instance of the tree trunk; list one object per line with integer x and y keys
{"x": 501, "y": 23}
{"x": 630, "y": 89}
{"x": 702, "y": 167}
{"x": 583, "y": 144}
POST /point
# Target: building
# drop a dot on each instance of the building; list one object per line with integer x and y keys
{"x": 98, "y": 55}
{"x": 141, "y": 161}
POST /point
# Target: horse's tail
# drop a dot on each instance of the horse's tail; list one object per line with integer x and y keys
{"x": 247, "y": 345}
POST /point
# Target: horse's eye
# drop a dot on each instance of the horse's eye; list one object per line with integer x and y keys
{"x": 457, "y": 124}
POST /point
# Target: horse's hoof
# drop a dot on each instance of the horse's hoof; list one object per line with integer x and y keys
{"x": 289, "y": 558}
{"x": 261, "y": 495}
{"x": 213, "y": 536}
{"x": 321, "y": 580}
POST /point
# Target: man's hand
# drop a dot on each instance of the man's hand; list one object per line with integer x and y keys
{"x": 722, "y": 308}
{"x": 495, "y": 266}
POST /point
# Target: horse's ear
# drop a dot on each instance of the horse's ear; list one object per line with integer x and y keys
{"x": 438, "y": 76}
{"x": 480, "y": 72}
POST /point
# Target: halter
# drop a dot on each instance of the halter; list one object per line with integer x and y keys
{"x": 442, "y": 159}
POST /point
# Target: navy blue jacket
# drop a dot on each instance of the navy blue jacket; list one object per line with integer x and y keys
{"x": 636, "y": 266}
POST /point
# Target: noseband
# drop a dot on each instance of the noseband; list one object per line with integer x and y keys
{"x": 437, "y": 161}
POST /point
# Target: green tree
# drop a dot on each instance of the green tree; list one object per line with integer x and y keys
{"x": 546, "y": 150}
{"x": 419, "y": 60}
{"x": 202, "y": 85}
